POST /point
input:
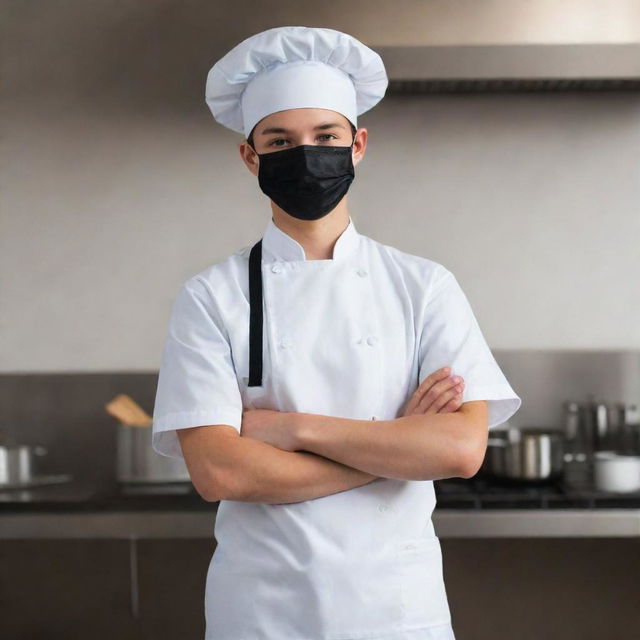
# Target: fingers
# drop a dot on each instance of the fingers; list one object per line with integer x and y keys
{"x": 453, "y": 405}
{"x": 431, "y": 379}
{"x": 440, "y": 395}
{"x": 439, "y": 392}
{"x": 438, "y": 375}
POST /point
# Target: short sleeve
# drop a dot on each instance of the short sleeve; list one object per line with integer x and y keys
{"x": 197, "y": 383}
{"x": 452, "y": 337}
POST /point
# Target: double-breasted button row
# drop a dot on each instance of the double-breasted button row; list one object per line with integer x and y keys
{"x": 277, "y": 268}
{"x": 286, "y": 343}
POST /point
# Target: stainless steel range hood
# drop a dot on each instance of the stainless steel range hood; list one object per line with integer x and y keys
{"x": 526, "y": 67}
{"x": 496, "y": 45}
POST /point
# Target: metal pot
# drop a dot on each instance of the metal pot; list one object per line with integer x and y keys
{"x": 137, "y": 462}
{"x": 19, "y": 463}
{"x": 525, "y": 454}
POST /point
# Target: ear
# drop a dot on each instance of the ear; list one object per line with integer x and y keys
{"x": 359, "y": 145}
{"x": 249, "y": 157}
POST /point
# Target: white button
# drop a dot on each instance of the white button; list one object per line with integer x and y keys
{"x": 285, "y": 342}
{"x": 362, "y": 272}
{"x": 409, "y": 546}
{"x": 371, "y": 340}
{"x": 276, "y": 268}
{"x": 383, "y": 507}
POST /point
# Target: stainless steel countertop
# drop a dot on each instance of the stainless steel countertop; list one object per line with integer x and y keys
{"x": 464, "y": 509}
{"x": 448, "y": 523}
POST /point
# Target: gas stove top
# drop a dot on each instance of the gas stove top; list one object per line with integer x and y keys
{"x": 484, "y": 493}
{"x": 477, "y": 493}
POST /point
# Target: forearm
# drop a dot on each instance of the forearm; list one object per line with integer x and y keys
{"x": 415, "y": 447}
{"x": 256, "y": 471}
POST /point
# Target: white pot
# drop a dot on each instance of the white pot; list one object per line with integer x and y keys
{"x": 616, "y": 473}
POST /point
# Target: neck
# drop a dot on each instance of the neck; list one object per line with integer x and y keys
{"x": 317, "y": 237}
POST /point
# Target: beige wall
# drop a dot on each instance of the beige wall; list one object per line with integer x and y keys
{"x": 118, "y": 185}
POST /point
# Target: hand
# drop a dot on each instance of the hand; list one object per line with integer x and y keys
{"x": 438, "y": 393}
{"x": 277, "y": 428}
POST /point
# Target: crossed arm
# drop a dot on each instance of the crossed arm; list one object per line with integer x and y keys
{"x": 291, "y": 457}
{"x": 416, "y": 447}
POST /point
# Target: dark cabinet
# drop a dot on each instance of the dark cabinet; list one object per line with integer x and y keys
{"x": 575, "y": 589}
{"x": 91, "y": 588}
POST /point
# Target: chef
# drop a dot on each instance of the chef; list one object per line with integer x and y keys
{"x": 318, "y": 381}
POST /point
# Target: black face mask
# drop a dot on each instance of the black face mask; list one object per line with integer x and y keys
{"x": 306, "y": 181}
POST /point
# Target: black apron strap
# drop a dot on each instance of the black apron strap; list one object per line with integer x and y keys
{"x": 255, "y": 317}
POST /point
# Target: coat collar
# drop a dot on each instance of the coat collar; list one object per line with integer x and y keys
{"x": 278, "y": 245}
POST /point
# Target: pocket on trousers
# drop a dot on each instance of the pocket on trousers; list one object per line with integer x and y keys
{"x": 422, "y": 592}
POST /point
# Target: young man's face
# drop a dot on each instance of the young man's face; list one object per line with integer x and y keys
{"x": 294, "y": 127}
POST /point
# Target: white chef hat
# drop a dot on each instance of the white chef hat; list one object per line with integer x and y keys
{"x": 290, "y": 68}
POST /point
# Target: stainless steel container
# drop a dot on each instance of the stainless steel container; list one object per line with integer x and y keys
{"x": 524, "y": 454}
{"x": 137, "y": 461}
{"x": 19, "y": 463}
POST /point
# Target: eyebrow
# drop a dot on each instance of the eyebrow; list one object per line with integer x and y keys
{"x": 320, "y": 127}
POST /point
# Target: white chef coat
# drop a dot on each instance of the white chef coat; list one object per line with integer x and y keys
{"x": 350, "y": 336}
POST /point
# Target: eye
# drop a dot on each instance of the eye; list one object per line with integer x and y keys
{"x": 274, "y": 143}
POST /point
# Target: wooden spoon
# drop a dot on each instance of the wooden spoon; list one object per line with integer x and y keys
{"x": 129, "y": 412}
